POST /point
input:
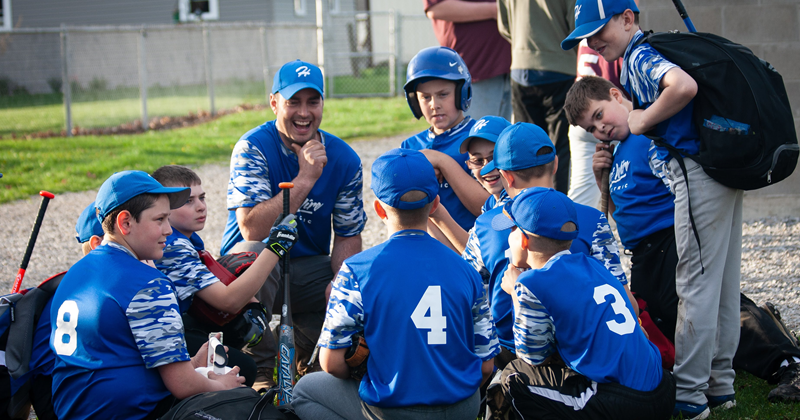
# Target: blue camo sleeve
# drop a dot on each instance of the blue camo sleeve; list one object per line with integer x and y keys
{"x": 606, "y": 250}
{"x": 155, "y": 321}
{"x": 472, "y": 255}
{"x": 249, "y": 177}
{"x": 345, "y": 314}
{"x": 487, "y": 345}
{"x": 182, "y": 264}
{"x": 534, "y": 331}
{"x": 659, "y": 167}
{"x": 647, "y": 69}
{"x": 349, "y": 217}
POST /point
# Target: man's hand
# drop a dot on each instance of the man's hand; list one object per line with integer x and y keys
{"x": 603, "y": 158}
{"x": 510, "y": 279}
{"x": 312, "y": 158}
{"x": 228, "y": 380}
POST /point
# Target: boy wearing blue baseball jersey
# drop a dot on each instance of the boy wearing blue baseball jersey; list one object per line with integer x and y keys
{"x": 582, "y": 355}
{"x": 438, "y": 87}
{"x": 421, "y": 309}
{"x": 117, "y": 335}
{"x": 525, "y": 157}
{"x": 707, "y": 331}
{"x": 182, "y": 264}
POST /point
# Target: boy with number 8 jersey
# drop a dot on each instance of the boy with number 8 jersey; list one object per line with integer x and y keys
{"x": 421, "y": 309}
{"x": 117, "y": 331}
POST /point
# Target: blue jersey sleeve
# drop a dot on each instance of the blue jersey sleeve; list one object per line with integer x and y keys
{"x": 646, "y": 68}
{"x": 345, "y": 314}
{"x": 182, "y": 264}
{"x": 249, "y": 178}
{"x": 156, "y": 324}
{"x": 472, "y": 255}
{"x": 534, "y": 331}
{"x": 606, "y": 250}
{"x": 349, "y": 217}
{"x": 487, "y": 344}
{"x": 658, "y": 166}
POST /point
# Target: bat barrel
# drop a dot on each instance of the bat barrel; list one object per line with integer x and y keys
{"x": 46, "y": 197}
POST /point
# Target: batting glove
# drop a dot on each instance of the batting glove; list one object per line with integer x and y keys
{"x": 255, "y": 316}
{"x": 283, "y": 235}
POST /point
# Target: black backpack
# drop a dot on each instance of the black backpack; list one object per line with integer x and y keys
{"x": 233, "y": 404}
{"x": 741, "y": 110}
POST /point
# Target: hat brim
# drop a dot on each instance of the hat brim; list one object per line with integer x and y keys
{"x": 486, "y": 136}
{"x": 582, "y": 32}
{"x": 502, "y": 222}
{"x": 488, "y": 168}
{"x": 177, "y": 196}
{"x": 290, "y": 90}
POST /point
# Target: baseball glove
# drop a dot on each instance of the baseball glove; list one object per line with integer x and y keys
{"x": 356, "y": 357}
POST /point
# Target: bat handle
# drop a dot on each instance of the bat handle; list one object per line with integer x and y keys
{"x": 46, "y": 197}
{"x": 604, "y": 191}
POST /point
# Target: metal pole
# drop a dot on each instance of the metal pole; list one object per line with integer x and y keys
{"x": 398, "y": 21}
{"x": 65, "y": 87}
{"x": 393, "y": 53}
{"x": 209, "y": 75}
{"x": 264, "y": 62}
{"x": 143, "y": 77}
{"x": 321, "y": 42}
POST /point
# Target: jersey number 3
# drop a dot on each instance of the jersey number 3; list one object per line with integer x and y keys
{"x": 435, "y": 322}
{"x": 618, "y": 305}
{"x": 66, "y": 338}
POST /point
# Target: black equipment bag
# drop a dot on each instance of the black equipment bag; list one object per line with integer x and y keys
{"x": 233, "y": 404}
{"x": 741, "y": 111}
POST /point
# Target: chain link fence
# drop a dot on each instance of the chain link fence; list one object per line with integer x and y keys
{"x": 110, "y": 79}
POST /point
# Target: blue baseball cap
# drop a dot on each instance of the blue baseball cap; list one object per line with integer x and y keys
{"x": 487, "y": 128}
{"x": 517, "y": 147}
{"x": 297, "y": 75}
{"x": 592, "y": 15}
{"x": 88, "y": 225}
{"x": 399, "y": 171}
{"x": 122, "y": 186}
{"x": 541, "y": 211}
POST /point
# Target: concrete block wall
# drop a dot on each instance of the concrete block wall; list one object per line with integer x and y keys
{"x": 771, "y": 28}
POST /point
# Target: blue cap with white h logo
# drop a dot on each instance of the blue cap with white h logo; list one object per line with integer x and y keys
{"x": 592, "y": 15}
{"x": 295, "y": 76}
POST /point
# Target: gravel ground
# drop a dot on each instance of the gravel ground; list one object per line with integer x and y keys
{"x": 770, "y": 247}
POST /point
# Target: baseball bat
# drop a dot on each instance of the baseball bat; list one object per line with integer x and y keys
{"x": 46, "y": 197}
{"x": 287, "y": 368}
{"x": 604, "y": 189}
{"x": 685, "y": 16}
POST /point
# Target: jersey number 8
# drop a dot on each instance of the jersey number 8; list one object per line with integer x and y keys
{"x": 66, "y": 338}
{"x": 436, "y": 323}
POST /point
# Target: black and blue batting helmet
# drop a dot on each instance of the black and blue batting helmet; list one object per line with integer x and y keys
{"x": 438, "y": 63}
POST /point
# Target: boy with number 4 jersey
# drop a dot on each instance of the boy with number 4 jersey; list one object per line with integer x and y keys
{"x": 429, "y": 330}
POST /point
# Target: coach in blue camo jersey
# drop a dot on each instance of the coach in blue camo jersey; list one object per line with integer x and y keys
{"x": 525, "y": 156}
{"x": 117, "y": 331}
{"x": 326, "y": 174}
{"x": 582, "y": 354}
{"x": 421, "y": 309}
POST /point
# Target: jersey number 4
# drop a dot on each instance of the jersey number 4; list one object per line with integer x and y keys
{"x": 435, "y": 322}
{"x": 618, "y": 305}
{"x": 66, "y": 338}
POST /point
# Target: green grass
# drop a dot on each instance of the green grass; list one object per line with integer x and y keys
{"x": 373, "y": 80}
{"x": 61, "y": 164}
{"x": 751, "y": 402}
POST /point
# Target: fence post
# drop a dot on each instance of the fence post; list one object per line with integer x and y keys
{"x": 209, "y": 75}
{"x": 143, "y": 77}
{"x": 392, "y": 53}
{"x": 398, "y": 45}
{"x": 264, "y": 62}
{"x": 321, "y": 43}
{"x": 65, "y": 86}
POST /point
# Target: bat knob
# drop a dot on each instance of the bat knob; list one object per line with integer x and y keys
{"x": 285, "y": 185}
{"x": 47, "y": 194}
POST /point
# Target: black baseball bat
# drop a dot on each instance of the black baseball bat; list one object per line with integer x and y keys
{"x": 604, "y": 189}
{"x": 46, "y": 197}
{"x": 288, "y": 369}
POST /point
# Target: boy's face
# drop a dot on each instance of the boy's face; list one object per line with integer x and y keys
{"x": 297, "y": 118}
{"x": 191, "y": 217}
{"x": 437, "y": 100}
{"x": 613, "y": 39}
{"x": 147, "y": 237}
{"x": 606, "y": 120}
{"x": 481, "y": 149}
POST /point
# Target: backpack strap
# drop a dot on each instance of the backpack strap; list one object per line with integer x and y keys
{"x": 20, "y": 332}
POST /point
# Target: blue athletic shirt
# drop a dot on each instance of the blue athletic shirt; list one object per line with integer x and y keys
{"x": 116, "y": 321}
{"x": 181, "y": 263}
{"x": 260, "y": 161}
{"x": 448, "y": 143}
{"x": 486, "y": 252}
{"x": 640, "y": 190}
{"x": 642, "y": 71}
{"x": 424, "y": 315}
{"x": 574, "y": 306}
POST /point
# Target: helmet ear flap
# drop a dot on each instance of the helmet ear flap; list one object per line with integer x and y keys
{"x": 413, "y": 103}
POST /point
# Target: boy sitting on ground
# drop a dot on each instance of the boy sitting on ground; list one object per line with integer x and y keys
{"x": 182, "y": 264}
{"x": 118, "y": 335}
{"x": 582, "y": 354}
{"x": 420, "y": 308}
